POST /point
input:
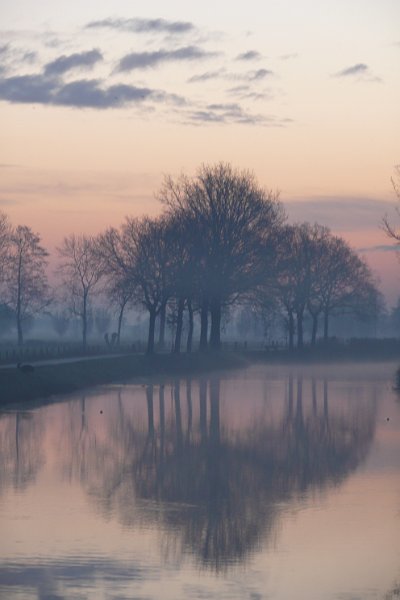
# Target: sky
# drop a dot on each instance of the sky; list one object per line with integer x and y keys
{"x": 99, "y": 100}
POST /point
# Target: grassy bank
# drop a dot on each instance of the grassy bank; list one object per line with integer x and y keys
{"x": 64, "y": 378}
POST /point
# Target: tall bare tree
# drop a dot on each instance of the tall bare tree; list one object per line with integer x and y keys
{"x": 148, "y": 244}
{"x": 118, "y": 266}
{"x": 81, "y": 272}
{"x": 139, "y": 257}
{"x": 5, "y": 238}
{"x": 230, "y": 219}
{"x": 27, "y": 290}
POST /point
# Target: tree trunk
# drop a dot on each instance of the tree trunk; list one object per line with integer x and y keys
{"x": 18, "y": 311}
{"x": 152, "y": 325}
{"x": 314, "y": 329}
{"x": 204, "y": 325}
{"x": 84, "y": 323}
{"x": 179, "y": 325}
{"x": 120, "y": 317}
{"x": 163, "y": 314}
{"x": 300, "y": 341}
{"x": 19, "y": 328}
{"x": 291, "y": 330}
{"x": 191, "y": 325}
{"x": 215, "y": 334}
{"x": 326, "y": 325}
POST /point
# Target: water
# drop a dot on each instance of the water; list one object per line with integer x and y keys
{"x": 267, "y": 483}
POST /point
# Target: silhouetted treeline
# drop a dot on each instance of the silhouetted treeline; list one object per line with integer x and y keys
{"x": 221, "y": 241}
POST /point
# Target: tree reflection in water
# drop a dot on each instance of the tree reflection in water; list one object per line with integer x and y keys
{"x": 21, "y": 437}
{"x": 216, "y": 491}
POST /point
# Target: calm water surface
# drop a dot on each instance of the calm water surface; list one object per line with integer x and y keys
{"x": 268, "y": 483}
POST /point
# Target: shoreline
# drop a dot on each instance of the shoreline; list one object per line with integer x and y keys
{"x": 64, "y": 378}
{"x": 48, "y": 380}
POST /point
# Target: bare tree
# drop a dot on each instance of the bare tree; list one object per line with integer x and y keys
{"x": 138, "y": 258}
{"x": 347, "y": 285}
{"x": 118, "y": 265}
{"x": 27, "y": 290}
{"x": 81, "y": 271}
{"x": 148, "y": 246}
{"x": 391, "y": 230}
{"x": 5, "y": 238}
{"x": 230, "y": 219}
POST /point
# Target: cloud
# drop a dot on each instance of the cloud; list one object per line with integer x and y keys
{"x": 251, "y": 76}
{"x": 4, "y": 49}
{"x": 232, "y": 113}
{"x": 357, "y": 69}
{"x": 89, "y": 94}
{"x": 239, "y": 89}
{"x": 27, "y": 89}
{"x": 340, "y": 213}
{"x": 259, "y": 74}
{"x": 29, "y": 57}
{"x": 250, "y": 55}
{"x": 79, "y": 94}
{"x": 143, "y": 60}
{"x": 64, "y": 63}
{"x": 360, "y": 72}
{"x": 380, "y": 248}
{"x": 144, "y": 25}
{"x": 207, "y": 76}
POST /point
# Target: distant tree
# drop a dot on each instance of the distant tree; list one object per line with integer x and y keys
{"x": 81, "y": 272}
{"x": 117, "y": 264}
{"x": 7, "y": 319}
{"x": 286, "y": 279}
{"x": 395, "y": 318}
{"x": 346, "y": 285}
{"x": 139, "y": 258}
{"x": 102, "y": 320}
{"x": 230, "y": 219}
{"x": 27, "y": 290}
{"x": 5, "y": 239}
{"x": 391, "y": 230}
{"x": 149, "y": 272}
{"x": 120, "y": 295}
{"x": 60, "y": 321}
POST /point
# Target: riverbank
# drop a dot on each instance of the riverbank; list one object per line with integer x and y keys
{"x": 63, "y": 378}
{"x": 48, "y": 380}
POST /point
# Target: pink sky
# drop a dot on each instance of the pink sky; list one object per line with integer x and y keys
{"x": 96, "y": 106}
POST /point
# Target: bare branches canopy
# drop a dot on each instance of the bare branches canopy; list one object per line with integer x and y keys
{"x": 221, "y": 241}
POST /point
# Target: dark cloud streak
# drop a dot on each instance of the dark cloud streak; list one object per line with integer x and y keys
{"x": 250, "y": 55}
{"x": 358, "y": 69}
{"x": 65, "y": 63}
{"x": 39, "y": 89}
{"x": 250, "y": 76}
{"x": 137, "y": 25}
{"x": 207, "y": 76}
{"x": 144, "y": 60}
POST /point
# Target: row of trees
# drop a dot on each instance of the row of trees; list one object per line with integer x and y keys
{"x": 221, "y": 241}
